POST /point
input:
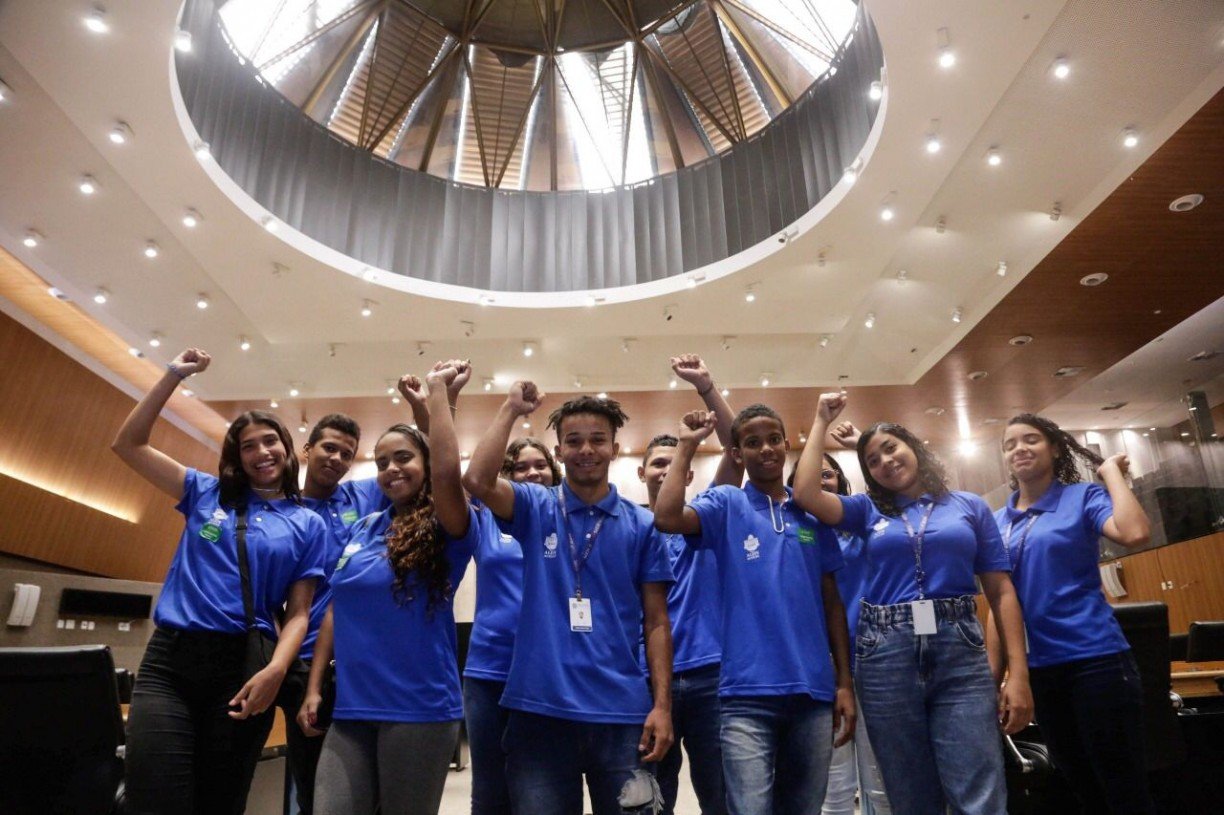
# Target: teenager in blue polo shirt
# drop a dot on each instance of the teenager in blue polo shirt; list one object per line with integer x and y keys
{"x": 595, "y": 577}
{"x": 1085, "y": 682}
{"x": 499, "y": 596}
{"x": 197, "y": 723}
{"x": 929, "y": 701}
{"x": 784, "y": 701}
{"x": 392, "y": 626}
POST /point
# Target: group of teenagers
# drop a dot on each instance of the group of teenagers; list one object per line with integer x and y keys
{"x": 609, "y": 636}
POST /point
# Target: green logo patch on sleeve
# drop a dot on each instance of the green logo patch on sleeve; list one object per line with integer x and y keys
{"x": 807, "y": 535}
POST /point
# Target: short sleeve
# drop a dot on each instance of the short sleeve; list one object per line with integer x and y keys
{"x": 831, "y": 558}
{"x": 530, "y": 501}
{"x": 856, "y": 513}
{"x": 368, "y": 497}
{"x": 196, "y": 485}
{"x": 460, "y": 550}
{"x": 1098, "y": 508}
{"x": 991, "y": 554}
{"x": 655, "y": 565}
{"x": 314, "y": 553}
{"x": 711, "y": 508}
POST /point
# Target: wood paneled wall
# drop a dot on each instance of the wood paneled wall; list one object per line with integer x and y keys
{"x": 57, "y": 419}
{"x": 1187, "y": 576}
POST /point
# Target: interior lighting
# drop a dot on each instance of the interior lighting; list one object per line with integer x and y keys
{"x": 886, "y": 213}
{"x": 95, "y": 20}
{"x": 5, "y": 92}
{"x": 188, "y": 392}
{"x": 590, "y": 300}
{"x": 750, "y": 294}
{"x": 151, "y": 251}
{"x": 270, "y": 223}
{"x": 191, "y": 219}
{"x": 528, "y": 349}
{"x": 1130, "y": 138}
{"x": 672, "y": 383}
{"x": 725, "y": 392}
{"x": 293, "y": 389}
{"x": 32, "y": 238}
{"x": 1060, "y": 68}
{"x": 202, "y": 301}
{"x": 601, "y": 395}
{"x": 947, "y": 57}
{"x": 369, "y": 275}
{"x": 966, "y": 448}
{"x": 956, "y": 314}
{"x": 933, "y": 144}
{"x": 155, "y": 340}
{"x": 273, "y": 404}
{"x": 869, "y": 322}
{"x": 182, "y": 41}
{"x": 488, "y": 384}
{"x": 101, "y": 296}
{"x": 367, "y": 308}
{"x": 134, "y": 351}
{"x": 766, "y": 378}
{"x": 876, "y": 92}
{"x": 201, "y": 150}
{"x": 993, "y": 158}
{"x": 120, "y": 133}
{"x": 69, "y": 492}
{"x": 243, "y": 343}
{"x": 1001, "y": 270}
{"x": 88, "y": 185}
{"x": 824, "y": 340}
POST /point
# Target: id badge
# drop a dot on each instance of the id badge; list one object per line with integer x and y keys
{"x": 580, "y": 614}
{"x": 924, "y": 616}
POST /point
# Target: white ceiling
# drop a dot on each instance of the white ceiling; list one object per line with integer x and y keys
{"x": 1134, "y": 64}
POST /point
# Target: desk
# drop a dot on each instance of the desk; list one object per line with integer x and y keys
{"x": 1192, "y": 679}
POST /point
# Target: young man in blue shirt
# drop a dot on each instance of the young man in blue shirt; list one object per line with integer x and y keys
{"x": 784, "y": 702}
{"x": 595, "y": 578}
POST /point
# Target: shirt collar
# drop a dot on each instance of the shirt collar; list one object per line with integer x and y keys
{"x": 760, "y": 500}
{"x": 609, "y": 504}
{"x": 904, "y": 502}
{"x": 257, "y": 503}
{"x": 1048, "y": 502}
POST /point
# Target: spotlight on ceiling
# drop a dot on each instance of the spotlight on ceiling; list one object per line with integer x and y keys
{"x": 869, "y": 321}
{"x": 243, "y": 343}
{"x": 201, "y": 301}
{"x": 887, "y": 213}
{"x": 529, "y": 349}
{"x": 182, "y": 41}
{"x": 201, "y": 150}
{"x": 191, "y": 219}
{"x": 101, "y": 296}
{"x": 96, "y": 20}
{"x": 120, "y": 133}
{"x": 151, "y": 250}
{"x": 956, "y": 314}
{"x": 155, "y": 340}
{"x": 876, "y": 92}
{"x": 1060, "y": 68}
{"x": 1130, "y": 138}
{"x": 32, "y": 238}
{"x": 88, "y": 185}
{"x": 993, "y": 158}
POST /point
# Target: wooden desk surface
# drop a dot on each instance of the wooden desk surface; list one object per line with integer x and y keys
{"x": 1192, "y": 679}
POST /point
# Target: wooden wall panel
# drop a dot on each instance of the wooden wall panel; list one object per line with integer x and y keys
{"x": 1195, "y": 568}
{"x": 56, "y": 427}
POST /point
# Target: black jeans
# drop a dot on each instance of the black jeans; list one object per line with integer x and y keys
{"x": 303, "y": 751}
{"x": 185, "y": 755}
{"x": 1091, "y": 714}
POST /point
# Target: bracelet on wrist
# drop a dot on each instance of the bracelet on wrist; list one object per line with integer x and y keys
{"x": 707, "y": 390}
{"x": 172, "y": 368}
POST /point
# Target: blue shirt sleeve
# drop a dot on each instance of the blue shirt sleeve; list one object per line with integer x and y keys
{"x": 314, "y": 552}
{"x": 856, "y": 513}
{"x": 831, "y": 558}
{"x": 655, "y": 565}
{"x": 195, "y": 485}
{"x": 711, "y": 509}
{"x": 530, "y": 500}
{"x": 991, "y": 554}
{"x": 369, "y": 497}
{"x": 1098, "y": 508}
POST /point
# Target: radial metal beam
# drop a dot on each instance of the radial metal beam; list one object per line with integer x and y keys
{"x": 431, "y": 139}
{"x": 339, "y": 20}
{"x": 780, "y": 31}
{"x": 692, "y": 97}
{"x": 771, "y": 79}
{"x": 359, "y": 34}
{"x": 726, "y": 62}
{"x": 664, "y": 111}
{"x": 518, "y": 130}
{"x": 416, "y": 94}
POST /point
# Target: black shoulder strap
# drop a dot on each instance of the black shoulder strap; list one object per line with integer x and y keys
{"x": 244, "y": 569}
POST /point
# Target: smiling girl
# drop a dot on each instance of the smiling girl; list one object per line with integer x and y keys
{"x": 197, "y": 723}
{"x": 923, "y": 680}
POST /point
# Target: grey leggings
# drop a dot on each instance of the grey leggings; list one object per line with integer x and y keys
{"x": 401, "y": 766}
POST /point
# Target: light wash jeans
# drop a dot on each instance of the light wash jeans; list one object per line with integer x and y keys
{"x": 854, "y": 769}
{"x": 930, "y": 706}
{"x": 776, "y": 752}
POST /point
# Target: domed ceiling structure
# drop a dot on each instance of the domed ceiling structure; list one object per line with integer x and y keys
{"x": 541, "y": 95}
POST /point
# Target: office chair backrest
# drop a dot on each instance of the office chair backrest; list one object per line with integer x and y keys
{"x": 1205, "y": 641}
{"x": 1146, "y": 626}
{"x": 60, "y": 727}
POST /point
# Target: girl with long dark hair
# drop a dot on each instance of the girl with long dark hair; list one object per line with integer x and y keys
{"x": 928, "y": 698}
{"x": 197, "y": 722}
{"x": 1085, "y": 682}
{"x": 391, "y": 626}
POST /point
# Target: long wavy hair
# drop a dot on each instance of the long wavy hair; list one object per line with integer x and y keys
{"x": 415, "y": 546}
{"x": 1066, "y": 468}
{"x": 931, "y": 473}
{"x": 516, "y": 447}
{"x": 235, "y": 485}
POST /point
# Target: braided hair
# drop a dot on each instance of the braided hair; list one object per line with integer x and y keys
{"x": 931, "y": 473}
{"x": 415, "y": 547}
{"x": 1066, "y": 466}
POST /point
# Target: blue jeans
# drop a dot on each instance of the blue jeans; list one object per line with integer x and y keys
{"x": 776, "y": 752}
{"x": 854, "y": 769}
{"x": 486, "y": 724}
{"x": 546, "y": 759}
{"x": 695, "y": 722}
{"x": 1091, "y": 714}
{"x": 931, "y": 709}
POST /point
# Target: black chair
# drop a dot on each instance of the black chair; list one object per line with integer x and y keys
{"x": 60, "y": 731}
{"x": 1146, "y": 626}
{"x": 1205, "y": 641}
{"x": 1177, "y": 647}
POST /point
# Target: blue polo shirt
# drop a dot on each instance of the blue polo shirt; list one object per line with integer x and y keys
{"x": 395, "y": 661}
{"x": 1057, "y": 575}
{"x": 775, "y": 641}
{"x": 499, "y": 596}
{"x": 203, "y": 589}
{"x": 694, "y": 605}
{"x": 852, "y": 579}
{"x": 962, "y": 540}
{"x": 592, "y": 676}
{"x": 351, "y": 501}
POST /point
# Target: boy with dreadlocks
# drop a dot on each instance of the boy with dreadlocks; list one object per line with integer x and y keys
{"x": 595, "y": 577}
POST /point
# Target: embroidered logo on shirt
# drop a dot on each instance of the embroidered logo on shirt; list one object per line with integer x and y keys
{"x": 507, "y": 538}
{"x": 211, "y": 531}
{"x": 550, "y": 545}
{"x": 879, "y": 527}
{"x": 349, "y": 516}
{"x": 752, "y": 547}
{"x": 346, "y": 554}
{"x": 807, "y": 536}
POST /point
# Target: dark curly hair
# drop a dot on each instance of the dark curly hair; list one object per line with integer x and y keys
{"x": 235, "y": 486}
{"x": 931, "y": 473}
{"x": 339, "y": 422}
{"x": 748, "y": 414}
{"x": 415, "y": 545}
{"x": 1066, "y": 468}
{"x": 517, "y": 446}
{"x": 610, "y": 409}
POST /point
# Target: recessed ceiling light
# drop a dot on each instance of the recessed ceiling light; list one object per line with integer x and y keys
{"x": 270, "y": 223}
{"x": 956, "y": 314}
{"x": 88, "y": 185}
{"x": 293, "y": 390}
{"x": 976, "y": 376}
{"x": 529, "y": 349}
{"x": 369, "y": 274}
{"x": 1093, "y": 280}
{"x": 1056, "y": 211}
{"x": 191, "y": 219}
{"x": 134, "y": 351}
{"x": 155, "y": 340}
{"x": 750, "y": 294}
{"x": 188, "y": 392}
{"x": 273, "y": 404}
{"x": 966, "y": 448}
{"x": 201, "y": 150}
{"x": 725, "y": 392}
{"x": 96, "y": 21}
{"x": 244, "y": 344}
{"x": 1060, "y": 68}
{"x": 1069, "y": 371}
{"x": 395, "y": 400}
{"x": 601, "y": 395}
{"x": 120, "y": 133}
{"x": 869, "y": 321}
{"x": 849, "y": 175}
{"x": 487, "y": 384}
{"x": 367, "y": 308}
{"x": 202, "y": 301}
{"x": 1129, "y": 137}
{"x": 876, "y": 92}
{"x": 101, "y": 296}
{"x": 58, "y": 294}
{"x": 5, "y": 92}
{"x": 933, "y": 144}
{"x": 526, "y": 425}
{"x": 32, "y": 238}
{"x": 947, "y": 57}
{"x": 993, "y": 158}
{"x": 886, "y": 213}
{"x": 1186, "y": 202}
{"x": 182, "y": 41}
{"x": 766, "y": 378}
{"x": 1020, "y": 340}
{"x": 302, "y": 427}
{"x": 1001, "y": 269}
{"x": 824, "y": 340}
{"x": 672, "y": 383}
{"x": 151, "y": 251}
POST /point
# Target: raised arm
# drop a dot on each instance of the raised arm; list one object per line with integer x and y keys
{"x": 481, "y": 478}
{"x": 413, "y": 390}
{"x": 808, "y": 493}
{"x": 450, "y": 504}
{"x": 672, "y": 514}
{"x": 693, "y": 370}
{"x": 1129, "y": 525}
{"x": 132, "y": 442}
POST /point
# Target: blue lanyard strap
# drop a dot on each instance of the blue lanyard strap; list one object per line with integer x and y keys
{"x": 916, "y": 539}
{"x": 1007, "y": 533}
{"x": 575, "y": 559}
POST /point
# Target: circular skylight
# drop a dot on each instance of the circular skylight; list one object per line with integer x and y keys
{"x": 541, "y": 94}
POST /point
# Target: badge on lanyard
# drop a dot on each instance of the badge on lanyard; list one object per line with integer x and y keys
{"x": 922, "y": 610}
{"x": 580, "y": 614}
{"x": 924, "y": 616}
{"x": 579, "y": 606}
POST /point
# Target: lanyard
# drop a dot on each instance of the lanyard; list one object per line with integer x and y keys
{"x": 1007, "y": 533}
{"x": 916, "y": 539}
{"x": 575, "y": 559}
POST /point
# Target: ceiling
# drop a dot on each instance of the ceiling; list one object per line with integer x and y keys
{"x": 1151, "y": 67}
